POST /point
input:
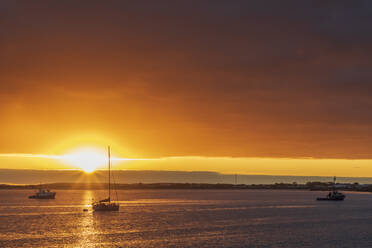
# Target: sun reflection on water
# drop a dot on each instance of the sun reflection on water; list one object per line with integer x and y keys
{"x": 87, "y": 235}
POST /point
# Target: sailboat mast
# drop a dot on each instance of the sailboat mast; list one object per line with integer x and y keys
{"x": 109, "y": 165}
{"x": 334, "y": 183}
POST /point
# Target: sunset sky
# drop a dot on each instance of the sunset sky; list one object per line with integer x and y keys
{"x": 263, "y": 87}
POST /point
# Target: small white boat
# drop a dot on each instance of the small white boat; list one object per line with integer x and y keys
{"x": 43, "y": 194}
{"x": 106, "y": 204}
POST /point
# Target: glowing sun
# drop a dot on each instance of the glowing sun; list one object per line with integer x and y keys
{"x": 87, "y": 159}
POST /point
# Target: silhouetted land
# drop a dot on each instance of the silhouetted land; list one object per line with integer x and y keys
{"x": 197, "y": 186}
{"x": 11, "y": 176}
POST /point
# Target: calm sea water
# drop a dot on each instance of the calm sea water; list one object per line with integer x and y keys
{"x": 187, "y": 218}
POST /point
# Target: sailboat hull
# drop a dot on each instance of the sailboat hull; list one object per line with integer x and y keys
{"x": 106, "y": 207}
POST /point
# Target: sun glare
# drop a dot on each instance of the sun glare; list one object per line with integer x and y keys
{"x": 87, "y": 159}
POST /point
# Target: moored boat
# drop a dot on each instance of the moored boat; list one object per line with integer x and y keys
{"x": 333, "y": 195}
{"x": 43, "y": 194}
{"x": 107, "y": 204}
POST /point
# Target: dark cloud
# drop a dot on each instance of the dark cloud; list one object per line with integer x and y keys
{"x": 229, "y": 78}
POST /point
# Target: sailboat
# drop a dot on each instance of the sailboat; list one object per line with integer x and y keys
{"x": 107, "y": 204}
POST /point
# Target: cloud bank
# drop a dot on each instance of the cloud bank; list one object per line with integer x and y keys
{"x": 190, "y": 78}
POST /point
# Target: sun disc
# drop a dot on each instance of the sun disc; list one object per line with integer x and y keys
{"x": 87, "y": 159}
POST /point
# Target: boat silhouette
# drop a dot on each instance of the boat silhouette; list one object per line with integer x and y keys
{"x": 333, "y": 195}
{"x": 43, "y": 194}
{"x": 106, "y": 204}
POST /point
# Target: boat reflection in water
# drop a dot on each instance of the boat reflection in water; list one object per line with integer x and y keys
{"x": 107, "y": 204}
{"x": 333, "y": 195}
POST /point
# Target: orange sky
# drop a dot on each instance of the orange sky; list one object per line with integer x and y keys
{"x": 186, "y": 80}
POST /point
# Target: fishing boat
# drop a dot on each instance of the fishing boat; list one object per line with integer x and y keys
{"x": 43, "y": 194}
{"x": 333, "y": 195}
{"x": 107, "y": 204}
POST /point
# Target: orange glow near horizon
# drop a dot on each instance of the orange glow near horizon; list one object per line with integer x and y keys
{"x": 89, "y": 159}
{"x": 89, "y": 152}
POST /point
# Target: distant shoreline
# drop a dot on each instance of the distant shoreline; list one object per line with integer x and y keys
{"x": 313, "y": 186}
{"x": 32, "y": 177}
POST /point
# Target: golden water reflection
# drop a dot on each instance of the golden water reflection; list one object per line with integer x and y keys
{"x": 87, "y": 235}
